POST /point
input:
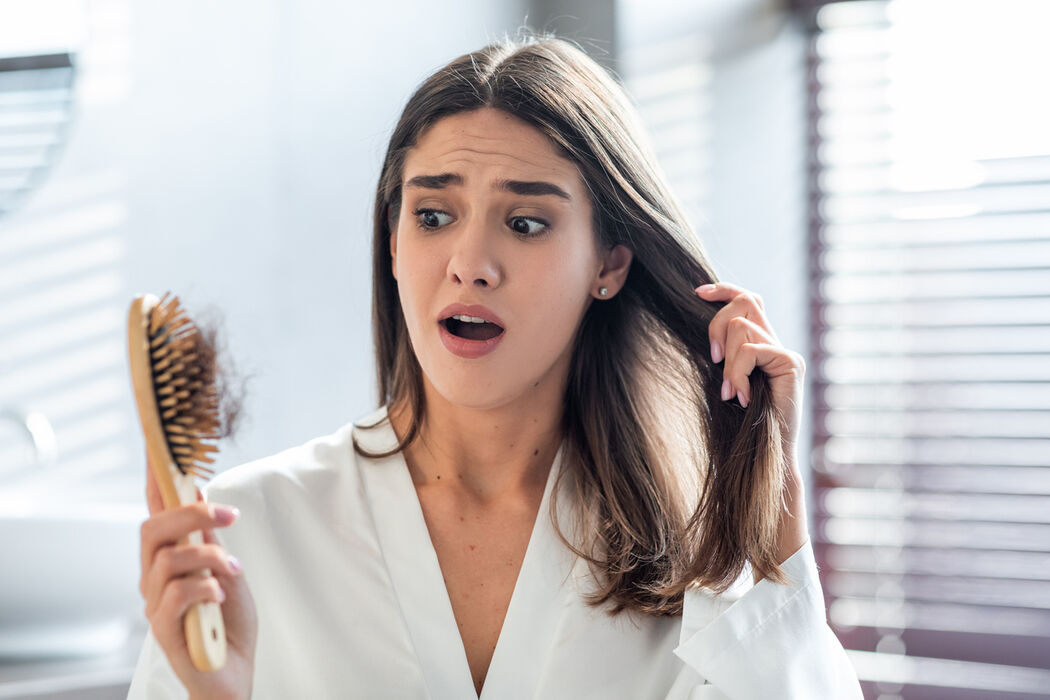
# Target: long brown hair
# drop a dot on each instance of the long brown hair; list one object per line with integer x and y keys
{"x": 673, "y": 486}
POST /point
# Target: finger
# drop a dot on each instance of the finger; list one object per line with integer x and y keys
{"x": 774, "y": 360}
{"x": 742, "y": 304}
{"x": 177, "y": 598}
{"x": 741, "y": 330}
{"x": 184, "y": 560}
{"x": 231, "y": 564}
{"x": 726, "y": 291}
{"x": 168, "y": 527}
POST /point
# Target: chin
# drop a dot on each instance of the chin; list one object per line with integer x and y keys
{"x": 485, "y": 383}
{"x": 459, "y": 390}
{"x": 473, "y": 397}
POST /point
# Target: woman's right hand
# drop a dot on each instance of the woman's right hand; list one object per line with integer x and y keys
{"x": 169, "y": 587}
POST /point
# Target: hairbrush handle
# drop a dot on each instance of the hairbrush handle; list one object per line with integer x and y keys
{"x": 203, "y": 623}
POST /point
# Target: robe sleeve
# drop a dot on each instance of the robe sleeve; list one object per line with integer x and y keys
{"x": 154, "y": 679}
{"x": 769, "y": 641}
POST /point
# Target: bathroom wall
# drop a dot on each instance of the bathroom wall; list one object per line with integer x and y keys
{"x": 228, "y": 151}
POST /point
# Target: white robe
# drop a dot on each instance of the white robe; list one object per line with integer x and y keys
{"x": 352, "y": 604}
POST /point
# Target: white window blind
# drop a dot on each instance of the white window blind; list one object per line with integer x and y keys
{"x": 36, "y": 104}
{"x": 930, "y": 174}
{"x": 64, "y": 417}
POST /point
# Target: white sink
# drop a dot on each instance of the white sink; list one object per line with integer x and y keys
{"x": 69, "y": 570}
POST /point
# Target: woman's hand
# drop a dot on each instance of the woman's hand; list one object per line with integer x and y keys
{"x": 741, "y": 335}
{"x": 169, "y": 587}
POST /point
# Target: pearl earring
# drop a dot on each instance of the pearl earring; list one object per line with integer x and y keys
{"x": 603, "y": 291}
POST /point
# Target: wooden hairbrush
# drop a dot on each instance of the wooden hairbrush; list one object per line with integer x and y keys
{"x": 173, "y": 375}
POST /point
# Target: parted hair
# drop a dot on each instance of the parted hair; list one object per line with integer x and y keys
{"x": 672, "y": 486}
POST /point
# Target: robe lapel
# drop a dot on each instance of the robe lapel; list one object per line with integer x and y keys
{"x": 540, "y": 598}
{"x": 414, "y": 569}
{"x": 538, "y": 604}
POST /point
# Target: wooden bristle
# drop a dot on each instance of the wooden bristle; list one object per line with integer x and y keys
{"x": 184, "y": 383}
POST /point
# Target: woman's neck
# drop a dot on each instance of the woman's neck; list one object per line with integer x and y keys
{"x": 487, "y": 455}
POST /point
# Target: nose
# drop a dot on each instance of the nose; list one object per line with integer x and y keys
{"x": 474, "y": 261}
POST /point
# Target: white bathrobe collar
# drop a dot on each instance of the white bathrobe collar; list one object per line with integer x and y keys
{"x": 539, "y": 601}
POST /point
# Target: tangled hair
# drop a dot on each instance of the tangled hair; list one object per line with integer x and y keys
{"x": 673, "y": 486}
{"x": 213, "y": 356}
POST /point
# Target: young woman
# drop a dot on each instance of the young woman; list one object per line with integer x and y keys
{"x": 583, "y": 480}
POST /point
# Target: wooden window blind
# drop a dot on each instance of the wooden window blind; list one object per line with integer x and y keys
{"x": 930, "y": 363}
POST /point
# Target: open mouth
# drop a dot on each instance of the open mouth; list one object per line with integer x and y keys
{"x": 470, "y": 330}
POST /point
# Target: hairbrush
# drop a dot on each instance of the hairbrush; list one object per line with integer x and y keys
{"x": 173, "y": 375}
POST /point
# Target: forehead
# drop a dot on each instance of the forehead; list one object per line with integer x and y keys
{"x": 488, "y": 138}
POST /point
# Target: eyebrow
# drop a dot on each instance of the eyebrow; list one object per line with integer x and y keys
{"x": 527, "y": 189}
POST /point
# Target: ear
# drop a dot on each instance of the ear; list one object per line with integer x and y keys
{"x": 616, "y": 263}
{"x": 393, "y": 254}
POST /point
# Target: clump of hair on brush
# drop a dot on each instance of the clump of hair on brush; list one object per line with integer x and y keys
{"x": 199, "y": 394}
{"x": 214, "y": 357}
{"x": 230, "y": 386}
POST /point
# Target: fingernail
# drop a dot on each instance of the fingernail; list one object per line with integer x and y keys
{"x": 716, "y": 351}
{"x": 705, "y": 288}
{"x": 727, "y": 389}
{"x": 224, "y": 515}
{"x": 741, "y": 399}
{"x": 235, "y": 564}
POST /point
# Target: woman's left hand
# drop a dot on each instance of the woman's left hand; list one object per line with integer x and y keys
{"x": 741, "y": 335}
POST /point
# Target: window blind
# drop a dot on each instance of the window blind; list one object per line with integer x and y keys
{"x": 63, "y": 379}
{"x": 36, "y": 105}
{"x": 930, "y": 365}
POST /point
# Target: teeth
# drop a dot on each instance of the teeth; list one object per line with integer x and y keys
{"x": 470, "y": 319}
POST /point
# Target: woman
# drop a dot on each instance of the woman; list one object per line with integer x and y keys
{"x": 576, "y": 474}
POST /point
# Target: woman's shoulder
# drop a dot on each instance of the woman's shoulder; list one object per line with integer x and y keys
{"x": 309, "y": 466}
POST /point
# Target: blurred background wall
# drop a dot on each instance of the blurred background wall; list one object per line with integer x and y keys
{"x": 841, "y": 161}
{"x": 230, "y": 153}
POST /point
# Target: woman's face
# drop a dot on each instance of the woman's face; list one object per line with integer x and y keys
{"x": 527, "y": 253}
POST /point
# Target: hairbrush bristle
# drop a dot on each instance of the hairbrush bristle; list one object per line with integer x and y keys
{"x": 183, "y": 366}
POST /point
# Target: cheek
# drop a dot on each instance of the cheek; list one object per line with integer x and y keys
{"x": 564, "y": 274}
{"x": 556, "y": 297}
{"x": 417, "y": 277}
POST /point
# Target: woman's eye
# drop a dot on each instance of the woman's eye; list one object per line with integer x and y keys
{"x": 516, "y": 222}
{"x": 525, "y": 226}
{"x": 427, "y": 219}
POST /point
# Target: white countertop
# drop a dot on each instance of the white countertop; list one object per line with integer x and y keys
{"x": 54, "y": 678}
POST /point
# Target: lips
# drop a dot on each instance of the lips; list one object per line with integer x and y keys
{"x": 467, "y": 347}
{"x": 475, "y": 310}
